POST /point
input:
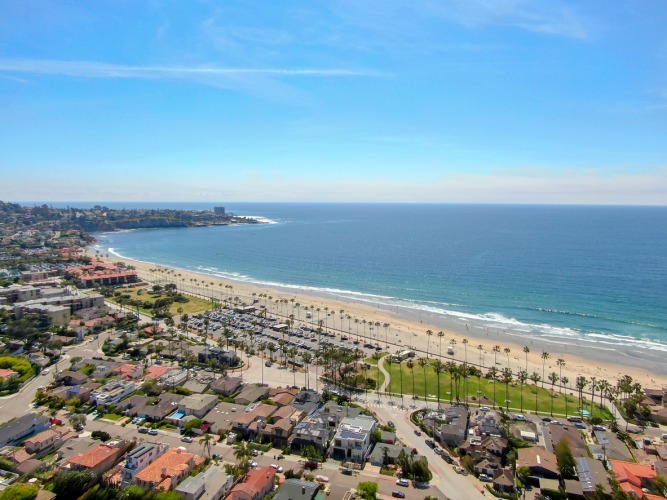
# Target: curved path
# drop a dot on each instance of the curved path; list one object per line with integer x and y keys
{"x": 387, "y": 376}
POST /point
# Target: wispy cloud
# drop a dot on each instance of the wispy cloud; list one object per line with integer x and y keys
{"x": 91, "y": 69}
{"x": 543, "y": 16}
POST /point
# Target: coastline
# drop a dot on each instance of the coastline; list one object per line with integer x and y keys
{"x": 408, "y": 328}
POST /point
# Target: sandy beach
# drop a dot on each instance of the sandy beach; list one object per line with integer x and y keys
{"x": 408, "y": 328}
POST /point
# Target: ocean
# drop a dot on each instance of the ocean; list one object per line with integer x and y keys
{"x": 593, "y": 274}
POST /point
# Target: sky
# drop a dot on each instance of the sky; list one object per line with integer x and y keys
{"x": 445, "y": 101}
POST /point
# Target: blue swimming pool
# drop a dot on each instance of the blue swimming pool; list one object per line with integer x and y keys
{"x": 178, "y": 414}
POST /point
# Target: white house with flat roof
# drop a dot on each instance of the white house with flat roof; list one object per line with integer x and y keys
{"x": 353, "y": 438}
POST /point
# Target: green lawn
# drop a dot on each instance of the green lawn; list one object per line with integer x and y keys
{"x": 112, "y": 416}
{"x": 194, "y": 305}
{"x": 484, "y": 387}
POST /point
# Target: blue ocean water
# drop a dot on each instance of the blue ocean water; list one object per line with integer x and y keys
{"x": 586, "y": 272}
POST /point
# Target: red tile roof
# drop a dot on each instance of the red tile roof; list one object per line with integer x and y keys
{"x": 257, "y": 481}
{"x": 93, "y": 458}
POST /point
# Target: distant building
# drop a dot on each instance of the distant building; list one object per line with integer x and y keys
{"x": 219, "y": 210}
{"x": 295, "y": 489}
{"x": 97, "y": 460}
{"x": 15, "y": 431}
{"x": 138, "y": 459}
{"x": 168, "y": 470}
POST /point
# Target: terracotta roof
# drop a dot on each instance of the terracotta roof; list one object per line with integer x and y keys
{"x": 174, "y": 461}
{"x": 630, "y": 472}
{"x": 156, "y": 371}
{"x": 257, "y": 481}
{"x": 6, "y": 373}
{"x": 95, "y": 457}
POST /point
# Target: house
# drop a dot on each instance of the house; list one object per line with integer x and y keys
{"x": 246, "y": 423}
{"x": 488, "y": 465}
{"x": 6, "y": 374}
{"x": 224, "y": 358}
{"x": 138, "y": 459}
{"x": 129, "y": 371}
{"x": 542, "y": 463}
{"x": 488, "y": 424}
{"x": 503, "y": 480}
{"x": 227, "y": 386}
{"x": 258, "y": 484}
{"x": 197, "y": 405}
{"x": 154, "y": 372}
{"x": 306, "y": 401}
{"x": 570, "y": 434}
{"x": 70, "y": 378}
{"x": 295, "y": 489}
{"x": 251, "y": 394}
{"x": 353, "y": 438}
{"x": 50, "y": 438}
{"x": 453, "y": 431}
{"x": 112, "y": 392}
{"x": 377, "y": 456}
{"x": 222, "y": 416}
{"x": 97, "y": 460}
{"x": 387, "y": 437}
{"x": 212, "y": 484}
{"x": 633, "y": 477}
{"x": 15, "y": 431}
{"x": 152, "y": 409}
{"x": 310, "y": 433}
{"x": 478, "y": 447}
{"x": 167, "y": 470}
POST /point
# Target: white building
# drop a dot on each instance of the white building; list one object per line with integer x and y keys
{"x": 353, "y": 438}
{"x": 112, "y": 392}
{"x": 137, "y": 459}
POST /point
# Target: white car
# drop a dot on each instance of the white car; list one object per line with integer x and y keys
{"x": 45, "y": 372}
{"x": 252, "y": 463}
{"x": 277, "y": 467}
{"x": 322, "y": 479}
{"x": 402, "y": 482}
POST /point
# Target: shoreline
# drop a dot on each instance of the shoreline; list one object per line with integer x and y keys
{"x": 408, "y": 328}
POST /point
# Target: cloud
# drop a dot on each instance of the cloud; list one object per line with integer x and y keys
{"x": 541, "y": 16}
{"x": 91, "y": 69}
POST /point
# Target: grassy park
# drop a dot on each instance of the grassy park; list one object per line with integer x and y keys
{"x": 536, "y": 399}
{"x": 145, "y": 299}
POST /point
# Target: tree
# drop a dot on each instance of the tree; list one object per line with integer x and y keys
{"x": 535, "y": 378}
{"x": 553, "y": 378}
{"x": 77, "y": 420}
{"x": 566, "y": 462}
{"x": 72, "y": 484}
{"x": 376, "y": 436}
{"x": 21, "y": 491}
{"x": 367, "y": 490}
{"x": 195, "y": 423}
{"x": 205, "y": 441}
{"x": 545, "y": 356}
{"x": 420, "y": 471}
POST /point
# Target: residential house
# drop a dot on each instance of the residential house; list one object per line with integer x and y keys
{"x": 454, "y": 429}
{"x": 570, "y": 434}
{"x": 112, "y": 392}
{"x": 152, "y": 409}
{"x": 353, "y": 438}
{"x": 212, "y": 484}
{"x": 6, "y": 374}
{"x": 295, "y": 489}
{"x": 97, "y": 460}
{"x": 129, "y": 371}
{"x": 222, "y": 416}
{"x": 306, "y": 401}
{"x": 197, "y": 405}
{"x": 377, "y": 456}
{"x": 282, "y": 423}
{"x": 592, "y": 475}
{"x": 542, "y": 463}
{"x": 15, "y": 431}
{"x": 138, "y": 459}
{"x": 310, "y": 433}
{"x": 70, "y": 378}
{"x": 503, "y": 481}
{"x": 258, "y": 484}
{"x": 252, "y": 420}
{"x": 223, "y": 357}
{"x": 282, "y": 396}
{"x": 227, "y": 386}
{"x": 167, "y": 470}
{"x": 47, "y": 439}
{"x": 633, "y": 477}
{"x": 251, "y": 394}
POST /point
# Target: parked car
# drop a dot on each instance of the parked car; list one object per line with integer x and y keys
{"x": 579, "y": 425}
{"x": 430, "y": 443}
{"x": 485, "y": 478}
{"x": 322, "y": 479}
{"x": 398, "y": 494}
{"x": 437, "y": 451}
{"x": 252, "y": 463}
{"x": 255, "y": 453}
{"x": 153, "y": 432}
{"x": 143, "y": 430}
{"x": 391, "y": 424}
{"x": 277, "y": 467}
{"x": 418, "y": 433}
{"x": 402, "y": 482}
{"x": 347, "y": 472}
{"x": 186, "y": 439}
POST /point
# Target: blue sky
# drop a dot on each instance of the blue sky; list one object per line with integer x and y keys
{"x": 505, "y": 101}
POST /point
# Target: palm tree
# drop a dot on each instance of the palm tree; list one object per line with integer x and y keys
{"x": 389, "y": 360}
{"x": 423, "y": 362}
{"x": 205, "y": 441}
{"x": 411, "y": 366}
{"x": 465, "y": 368}
{"x": 452, "y": 369}
{"x": 526, "y": 350}
{"x": 243, "y": 454}
{"x": 441, "y": 335}
{"x": 307, "y": 358}
{"x": 438, "y": 368}
{"x": 522, "y": 376}
{"x": 496, "y": 350}
{"x": 553, "y": 378}
{"x": 493, "y": 371}
{"x": 545, "y": 356}
{"x": 535, "y": 378}
{"x": 581, "y": 383}
{"x": 400, "y": 372}
{"x": 563, "y": 382}
{"x": 452, "y": 343}
{"x": 429, "y": 333}
{"x": 561, "y": 363}
{"x": 507, "y": 351}
{"x": 507, "y": 378}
